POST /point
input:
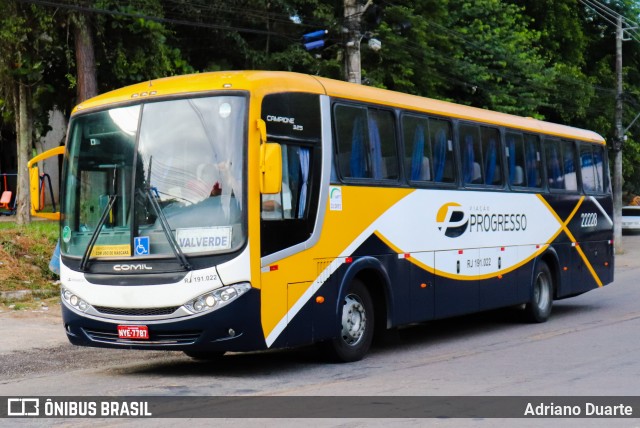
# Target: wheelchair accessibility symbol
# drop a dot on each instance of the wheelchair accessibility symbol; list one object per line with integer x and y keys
{"x": 141, "y": 245}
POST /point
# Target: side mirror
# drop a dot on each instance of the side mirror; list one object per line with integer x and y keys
{"x": 270, "y": 168}
{"x": 35, "y": 185}
{"x": 270, "y": 162}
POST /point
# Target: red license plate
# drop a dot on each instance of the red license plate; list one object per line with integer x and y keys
{"x": 135, "y": 332}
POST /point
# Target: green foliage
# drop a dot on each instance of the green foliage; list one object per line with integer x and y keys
{"x": 131, "y": 48}
{"x": 552, "y": 59}
{"x": 497, "y": 60}
{"x": 25, "y": 252}
{"x": 30, "y": 46}
{"x": 408, "y": 61}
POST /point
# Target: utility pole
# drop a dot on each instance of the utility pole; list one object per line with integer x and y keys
{"x": 353, "y": 12}
{"x": 618, "y": 142}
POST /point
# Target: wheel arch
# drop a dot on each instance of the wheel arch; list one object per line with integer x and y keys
{"x": 374, "y": 276}
{"x": 550, "y": 257}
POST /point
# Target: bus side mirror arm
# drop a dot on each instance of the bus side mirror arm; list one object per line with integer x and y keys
{"x": 270, "y": 163}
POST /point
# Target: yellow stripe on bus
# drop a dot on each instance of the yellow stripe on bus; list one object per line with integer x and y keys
{"x": 444, "y": 274}
{"x": 566, "y": 230}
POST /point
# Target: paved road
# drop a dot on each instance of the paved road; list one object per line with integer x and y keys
{"x": 590, "y": 346}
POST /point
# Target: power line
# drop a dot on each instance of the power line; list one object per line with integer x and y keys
{"x": 91, "y": 9}
{"x": 611, "y": 17}
{"x": 500, "y": 55}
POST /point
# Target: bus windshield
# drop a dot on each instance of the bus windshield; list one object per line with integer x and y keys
{"x": 161, "y": 179}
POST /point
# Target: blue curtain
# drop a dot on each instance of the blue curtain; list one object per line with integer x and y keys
{"x": 490, "y": 163}
{"x": 439, "y": 155}
{"x": 418, "y": 153}
{"x": 303, "y": 155}
{"x": 511, "y": 145}
{"x": 375, "y": 148}
{"x": 358, "y": 155}
{"x": 554, "y": 168}
{"x": 597, "y": 164}
{"x": 467, "y": 159}
{"x": 568, "y": 161}
{"x": 531, "y": 164}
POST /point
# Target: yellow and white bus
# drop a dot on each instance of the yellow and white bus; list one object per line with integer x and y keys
{"x": 249, "y": 210}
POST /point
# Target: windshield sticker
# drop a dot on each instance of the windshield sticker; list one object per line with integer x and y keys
{"x": 66, "y": 234}
{"x": 193, "y": 240}
{"x": 141, "y": 245}
{"x": 111, "y": 250}
{"x": 335, "y": 198}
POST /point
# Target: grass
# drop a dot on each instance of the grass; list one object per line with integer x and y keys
{"x": 25, "y": 252}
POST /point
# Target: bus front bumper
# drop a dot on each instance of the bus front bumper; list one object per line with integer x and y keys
{"x": 235, "y": 327}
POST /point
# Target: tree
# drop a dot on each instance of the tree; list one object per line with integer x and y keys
{"x": 413, "y": 47}
{"x": 87, "y": 79}
{"x": 28, "y": 43}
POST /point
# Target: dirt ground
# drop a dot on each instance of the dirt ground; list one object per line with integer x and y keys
{"x": 29, "y": 329}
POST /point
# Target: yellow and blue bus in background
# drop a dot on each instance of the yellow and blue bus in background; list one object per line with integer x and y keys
{"x": 249, "y": 210}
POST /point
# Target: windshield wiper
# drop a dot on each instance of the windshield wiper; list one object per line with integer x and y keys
{"x": 166, "y": 228}
{"x": 96, "y": 232}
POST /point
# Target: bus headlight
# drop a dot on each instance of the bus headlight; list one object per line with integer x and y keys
{"x": 73, "y": 300}
{"x": 217, "y": 298}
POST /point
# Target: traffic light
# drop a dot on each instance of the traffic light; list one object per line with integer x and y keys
{"x": 314, "y": 40}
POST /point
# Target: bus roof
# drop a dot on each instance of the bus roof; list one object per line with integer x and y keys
{"x": 279, "y": 81}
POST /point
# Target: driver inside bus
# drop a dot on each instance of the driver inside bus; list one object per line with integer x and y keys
{"x": 277, "y": 206}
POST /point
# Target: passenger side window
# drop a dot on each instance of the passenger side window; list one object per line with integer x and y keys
{"x": 560, "y": 158}
{"x": 480, "y": 151}
{"x": 366, "y": 144}
{"x": 491, "y": 153}
{"x": 291, "y": 202}
{"x": 471, "y": 154}
{"x": 523, "y": 160}
{"x": 569, "y": 159}
{"x": 428, "y": 149}
{"x": 591, "y": 166}
{"x": 553, "y": 159}
{"x": 532, "y": 161}
{"x": 515, "y": 159}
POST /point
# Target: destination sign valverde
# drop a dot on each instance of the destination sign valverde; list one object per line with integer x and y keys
{"x": 192, "y": 240}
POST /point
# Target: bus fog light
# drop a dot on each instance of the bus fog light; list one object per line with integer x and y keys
{"x": 217, "y": 298}
{"x": 73, "y": 300}
{"x": 210, "y": 300}
{"x": 198, "y": 305}
{"x": 228, "y": 294}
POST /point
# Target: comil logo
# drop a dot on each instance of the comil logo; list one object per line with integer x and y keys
{"x": 452, "y": 220}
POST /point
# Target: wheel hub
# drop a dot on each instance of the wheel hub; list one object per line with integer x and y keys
{"x": 354, "y": 320}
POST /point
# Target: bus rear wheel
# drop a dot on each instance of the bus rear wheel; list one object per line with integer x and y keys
{"x": 538, "y": 309}
{"x": 356, "y": 333}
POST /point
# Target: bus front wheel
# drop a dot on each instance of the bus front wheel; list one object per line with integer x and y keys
{"x": 356, "y": 333}
{"x": 539, "y": 307}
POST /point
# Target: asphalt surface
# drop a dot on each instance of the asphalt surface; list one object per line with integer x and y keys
{"x": 31, "y": 329}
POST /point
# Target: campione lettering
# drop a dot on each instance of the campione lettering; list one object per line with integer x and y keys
{"x": 281, "y": 119}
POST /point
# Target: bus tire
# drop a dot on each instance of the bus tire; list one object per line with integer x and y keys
{"x": 356, "y": 321}
{"x": 204, "y": 356}
{"x": 538, "y": 309}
